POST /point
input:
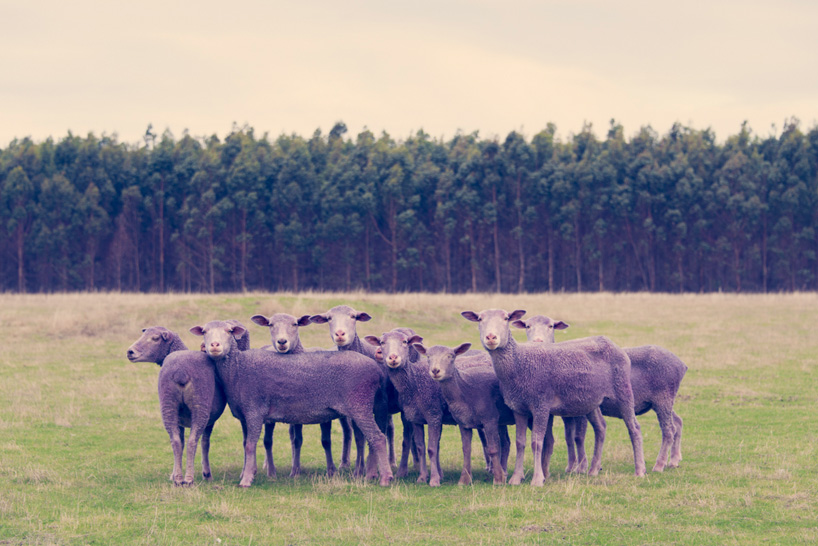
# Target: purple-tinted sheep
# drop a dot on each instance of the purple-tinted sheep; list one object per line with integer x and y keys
{"x": 472, "y": 393}
{"x": 308, "y": 388}
{"x": 567, "y": 379}
{"x": 656, "y": 374}
{"x": 189, "y": 396}
{"x": 285, "y": 340}
{"x": 343, "y": 321}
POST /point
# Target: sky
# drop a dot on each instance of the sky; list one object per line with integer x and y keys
{"x": 442, "y": 66}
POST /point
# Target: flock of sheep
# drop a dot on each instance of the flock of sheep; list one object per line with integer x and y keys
{"x": 364, "y": 382}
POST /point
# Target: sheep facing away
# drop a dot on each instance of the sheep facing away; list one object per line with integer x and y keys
{"x": 473, "y": 397}
{"x": 567, "y": 379}
{"x": 285, "y": 340}
{"x": 308, "y": 388}
{"x": 656, "y": 374}
{"x": 189, "y": 396}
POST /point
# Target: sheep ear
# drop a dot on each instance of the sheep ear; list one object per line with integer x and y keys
{"x": 238, "y": 331}
{"x": 560, "y": 325}
{"x": 202, "y": 347}
{"x": 319, "y": 319}
{"x": 515, "y": 315}
{"x": 166, "y": 335}
{"x": 372, "y": 340}
{"x": 261, "y": 320}
{"x": 414, "y": 339}
{"x": 518, "y": 324}
{"x": 363, "y": 317}
{"x": 143, "y": 330}
{"x": 462, "y": 348}
{"x": 470, "y": 315}
{"x": 419, "y": 348}
{"x": 304, "y": 321}
{"x": 197, "y": 331}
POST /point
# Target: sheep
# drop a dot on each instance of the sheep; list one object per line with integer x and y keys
{"x": 342, "y": 321}
{"x": 472, "y": 393}
{"x": 568, "y": 379}
{"x": 307, "y": 388}
{"x": 656, "y": 374}
{"x": 421, "y": 401}
{"x": 285, "y": 338}
{"x": 189, "y": 396}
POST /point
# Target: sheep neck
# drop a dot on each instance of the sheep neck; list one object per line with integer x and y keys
{"x": 502, "y": 359}
{"x": 455, "y": 396}
{"x": 176, "y": 344}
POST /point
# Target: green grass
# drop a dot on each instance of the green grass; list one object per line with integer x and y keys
{"x": 84, "y": 458}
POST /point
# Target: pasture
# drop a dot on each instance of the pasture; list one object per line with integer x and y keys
{"x": 84, "y": 458}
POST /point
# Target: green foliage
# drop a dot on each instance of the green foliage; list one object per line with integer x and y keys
{"x": 675, "y": 212}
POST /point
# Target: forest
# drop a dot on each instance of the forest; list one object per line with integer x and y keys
{"x": 678, "y": 212}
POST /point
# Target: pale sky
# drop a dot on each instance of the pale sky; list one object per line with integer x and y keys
{"x": 439, "y": 65}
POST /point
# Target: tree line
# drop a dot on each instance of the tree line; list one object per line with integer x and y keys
{"x": 677, "y": 212}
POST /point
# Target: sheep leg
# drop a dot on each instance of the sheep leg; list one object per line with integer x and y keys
{"x": 435, "y": 431}
{"x": 346, "y": 429}
{"x": 269, "y": 465}
{"x": 665, "y": 417}
{"x": 296, "y": 441}
{"x": 494, "y": 447}
{"x": 358, "y": 471}
{"x": 486, "y": 457}
{"x": 465, "y": 440}
{"x": 377, "y": 445}
{"x": 521, "y": 424}
{"x": 206, "y": 453}
{"x": 192, "y": 443}
{"x": 676, "y": 451}
{"x": 177, "y": 445}
{"x": 548, "y": 446}
{"x": 635, "y": 433}
{"x": 249, "y": 471}
{"x": 243, "y": 443}
{"x": 580, "y": 428}
{"x": 538, "y": 433}
{"x": 326, "y": 443}
{"x": 406, "y": 446}
{"x": 568, "y": 423}
{"x": 390, "y": 439}
{"x": 505, "y": 447}
{"x": 598, "y": 424}
{"x": 420, "y": 446}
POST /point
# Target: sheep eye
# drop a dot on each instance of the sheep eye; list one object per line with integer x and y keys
{"x": 155, "y": 338}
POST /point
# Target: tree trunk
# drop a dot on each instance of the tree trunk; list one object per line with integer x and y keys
{"x": 550, "y": 261}
{"x": 21, "y": 275}
{"x": 496, "y": 241}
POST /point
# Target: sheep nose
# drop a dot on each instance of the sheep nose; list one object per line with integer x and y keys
{"x": 537, "y": 340}
{"x": 130, "y": 352}
{"x": 282, "y": 341}
{"x": 491, "y": 337}
{"x": 435, "y": 372}
{"x": 215, "y": 344}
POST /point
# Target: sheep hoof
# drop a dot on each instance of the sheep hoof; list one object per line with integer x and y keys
{"x": 402, "y": 472}
{"x": 207, "y": 476}
{"x": 465, "y": 479}
{"x": 386, "y": 481}
{"x": 434, "y": 483}
{"x": 421, "y": 479}
{"x": 658, "y": 468}
{"x": 537, "y": 482}
{"x": 515, "y": 480}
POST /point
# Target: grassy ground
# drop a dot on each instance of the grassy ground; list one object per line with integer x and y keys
{"x": 84, "y": 458}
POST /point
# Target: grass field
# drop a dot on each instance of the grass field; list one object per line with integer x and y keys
{"x": 84, "y": 458}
